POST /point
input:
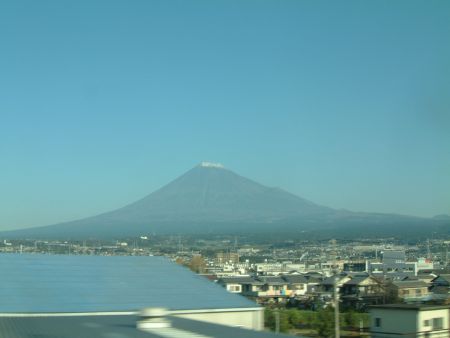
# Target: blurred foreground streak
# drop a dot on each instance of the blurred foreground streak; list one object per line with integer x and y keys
{"x": 118, "y": 326}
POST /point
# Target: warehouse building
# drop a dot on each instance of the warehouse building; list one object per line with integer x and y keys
{"x": 79, "y": 286}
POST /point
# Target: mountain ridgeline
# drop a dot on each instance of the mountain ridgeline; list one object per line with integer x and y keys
{"x": 210, "y": 199}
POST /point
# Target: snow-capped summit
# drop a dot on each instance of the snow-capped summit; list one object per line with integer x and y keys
{"x": 206, "y": 164}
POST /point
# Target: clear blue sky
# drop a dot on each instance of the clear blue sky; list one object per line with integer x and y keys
{"x": 345, "y": 103}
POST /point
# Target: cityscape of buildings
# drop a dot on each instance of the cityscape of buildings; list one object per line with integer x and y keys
{"x": 372, "y": 276}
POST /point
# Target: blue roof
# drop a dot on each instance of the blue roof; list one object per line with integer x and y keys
{"x": 57, "y": 283}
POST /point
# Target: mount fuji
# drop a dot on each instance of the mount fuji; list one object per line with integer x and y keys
{"x": 212, "y": 199}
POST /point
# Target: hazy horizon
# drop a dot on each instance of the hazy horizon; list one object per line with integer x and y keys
{"x": 345, "y": 104}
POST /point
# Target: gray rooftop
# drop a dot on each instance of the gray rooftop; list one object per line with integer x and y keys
{"x": 442, "y": 277}
{"x": 410, "y": 284}
{"x": 239, "y": 280}
{"x": 332, "y": 280}
{"x": 261, "y": 280}
{"x": 272, "y": 280}
{"x": 46, "y": 283}
{"x": 417, "y": 307}
{"x": 358, "y": 280}
{"x": 393, "y": 255}
{"x": 295, "y": 279}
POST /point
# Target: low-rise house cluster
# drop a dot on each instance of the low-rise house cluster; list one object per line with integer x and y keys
{"x": 390, "y": 278}
{"x": 270, "y": 288}
{"x": 356, "y": 290}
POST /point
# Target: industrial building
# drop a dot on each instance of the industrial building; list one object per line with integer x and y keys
{"x": 113, "y": 289}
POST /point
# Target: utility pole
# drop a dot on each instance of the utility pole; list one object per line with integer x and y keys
{"x": 336, "y": 309}
{"x": 277, "y": 321}
{"x": 446, "y": 255}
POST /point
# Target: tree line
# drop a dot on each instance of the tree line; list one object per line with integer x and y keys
{"x": 321, "y": 322}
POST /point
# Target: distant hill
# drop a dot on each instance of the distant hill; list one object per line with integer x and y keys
{"x": 212, "y": 199}
{"x": 442, "y": 217}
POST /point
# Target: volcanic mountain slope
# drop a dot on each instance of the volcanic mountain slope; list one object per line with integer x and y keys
{"x": 212, "y": 199}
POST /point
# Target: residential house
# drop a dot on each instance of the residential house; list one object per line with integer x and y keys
{"x": 409, "y": 320}
{"x": 328, "y": 284}
{"x": 237, "y": 284}
{"x": 245, "y": 285}
{"x": 440, "y": 287}
{"x": 314, "y": 279}
{"x": 361, "y": 291}
{"x": 297, "y": 284}
{"x": 274, "y": 287}
{"x": 410, "y": 290}
{"x": 271, "y": 288}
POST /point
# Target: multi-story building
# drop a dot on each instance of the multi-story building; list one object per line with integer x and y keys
{"x": 393, "y": 266}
